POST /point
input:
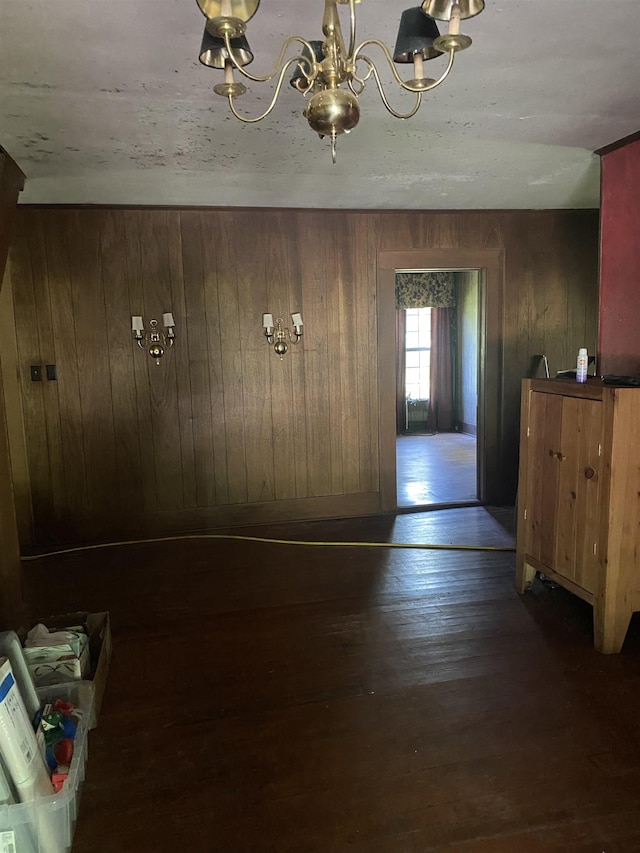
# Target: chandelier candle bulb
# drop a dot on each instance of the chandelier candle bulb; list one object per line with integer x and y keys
{"x": 337, "y": 77}
{"x": 167, "y": 319}
{"x": 296, "y": 319}
{"x": 137, "y": 325}
{"x": 267, "y": 322}
{"x": 454, "y": 21}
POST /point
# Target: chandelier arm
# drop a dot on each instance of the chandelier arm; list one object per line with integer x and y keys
{"x": 277, "y": 67}
{"x": 352, "y": 28}
{"x": 376, "y": 77}
{"x": 246, "y": 120}
{"x": 361, "y": 80}
{"x": 404, "y": 85}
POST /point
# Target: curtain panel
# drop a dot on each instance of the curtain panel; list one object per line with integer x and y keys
{"x": 425, "y": 290}
{"x": 442, "y": 367}
{"x": 401, "y": 363}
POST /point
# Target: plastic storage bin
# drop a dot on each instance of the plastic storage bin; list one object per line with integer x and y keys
{"x": 47, "y": 824}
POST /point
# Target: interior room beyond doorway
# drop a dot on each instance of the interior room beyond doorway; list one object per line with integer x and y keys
{"x": 436, "y": 469}
{"x": 438, "y": 339}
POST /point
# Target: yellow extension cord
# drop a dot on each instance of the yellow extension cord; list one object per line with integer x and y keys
{"x": 418, "y": 546}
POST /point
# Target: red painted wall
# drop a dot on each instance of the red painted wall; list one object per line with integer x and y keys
{"x": 619, "y": 311}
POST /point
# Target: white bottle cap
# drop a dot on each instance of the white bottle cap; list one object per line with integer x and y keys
{"x": 582, "y": 351}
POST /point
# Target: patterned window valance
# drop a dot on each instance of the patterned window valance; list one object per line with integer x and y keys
{"x": 425, "y": 290}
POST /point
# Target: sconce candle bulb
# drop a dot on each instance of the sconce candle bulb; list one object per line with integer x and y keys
{"x": 267, "y": 322}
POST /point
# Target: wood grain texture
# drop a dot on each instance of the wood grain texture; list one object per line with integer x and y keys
{"x": 30, "y": 353}
{"x": 13, "y": 411}
{"x": 361, "y": 701}
{"x": 619, "y": 595}
{"x": 94, "y": 376}
{"x": 579, "y": 492}
{"x": 578, "y": 522}
{"x": 63, "y": 320}
{"x": 11, "y": 183}
{"x": 223, "y": 425}
{"x": 113, "y": 242}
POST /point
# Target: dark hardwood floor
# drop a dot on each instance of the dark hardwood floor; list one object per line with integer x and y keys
{"x": 269, "y": 698}
{"x": 436, "y": 469}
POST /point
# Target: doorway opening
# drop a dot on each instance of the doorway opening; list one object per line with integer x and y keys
{"x": 489, "y": 266}
{"x": 437, "y": 365}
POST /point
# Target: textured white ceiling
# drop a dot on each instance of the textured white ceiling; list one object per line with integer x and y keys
{"x": 106, "y": 103}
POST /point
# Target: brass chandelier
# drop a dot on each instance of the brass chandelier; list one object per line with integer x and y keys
{"x": 330, "y": 73}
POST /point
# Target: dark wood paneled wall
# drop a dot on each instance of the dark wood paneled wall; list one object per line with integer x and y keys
{"x": 11, "y": 184}
{"x": 223, "y": 431}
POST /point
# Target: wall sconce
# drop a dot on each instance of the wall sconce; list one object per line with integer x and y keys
{"x": 280, "y": 336}
{"x": 156, "y": 339}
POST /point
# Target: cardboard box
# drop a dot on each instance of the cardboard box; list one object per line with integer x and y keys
{"x": 100, "y": 645}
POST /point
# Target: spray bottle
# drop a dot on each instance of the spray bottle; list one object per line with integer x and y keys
{"x": 581, "y": 368}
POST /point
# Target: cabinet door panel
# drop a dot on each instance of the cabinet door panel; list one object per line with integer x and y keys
{"x": 579, "y": 491}
{"x": 545, "y": 421}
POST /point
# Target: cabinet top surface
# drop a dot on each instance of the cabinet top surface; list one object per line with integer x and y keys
{"x": 593, "y": 389}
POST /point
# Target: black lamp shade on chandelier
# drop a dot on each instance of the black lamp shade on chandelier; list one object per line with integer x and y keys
{"x": 441, "y": 9}
{"x": 416, "y": 34}
{"x": 214, "y": 53}
{"x": 332, "y": 73}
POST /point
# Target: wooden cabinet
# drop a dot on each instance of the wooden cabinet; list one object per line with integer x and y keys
{"x": 579, "y": 497}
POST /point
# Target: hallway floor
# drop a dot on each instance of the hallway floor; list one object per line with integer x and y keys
{"x": 436, "y": 469}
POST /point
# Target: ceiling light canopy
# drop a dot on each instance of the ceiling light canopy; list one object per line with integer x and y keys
{"x": 333, "y": 73}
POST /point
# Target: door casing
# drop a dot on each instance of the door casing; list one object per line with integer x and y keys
{"x": 490, "y": 264}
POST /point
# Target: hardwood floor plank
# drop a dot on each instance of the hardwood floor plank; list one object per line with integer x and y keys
{"x": 436, "y": 468}
{"x": 281, "y": 698}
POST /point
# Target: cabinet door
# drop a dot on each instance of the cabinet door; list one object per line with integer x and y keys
{"x": 563, "y": 492}
{"x": 578, "y": 496}
{"x": 543, "y": 448}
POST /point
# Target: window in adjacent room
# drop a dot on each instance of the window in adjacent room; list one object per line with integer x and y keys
{"x": 417, "y": 353}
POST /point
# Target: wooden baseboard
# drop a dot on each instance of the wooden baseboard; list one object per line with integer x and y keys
{"x": 167, "y": 523}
